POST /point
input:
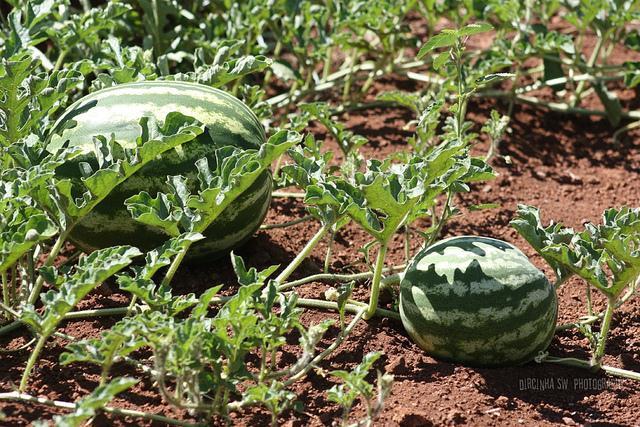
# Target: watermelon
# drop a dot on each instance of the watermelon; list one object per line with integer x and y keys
{"x": 117, "y": 110}
{"x": 477, "y": 301}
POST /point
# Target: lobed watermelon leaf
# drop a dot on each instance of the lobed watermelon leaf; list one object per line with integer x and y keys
{"x": 607, "y": 256}
{"x": 87, "y": 407}
{"x": 114, "y": 168}
{"x": 234, "y": 172}
{"x": 71, "y": 288}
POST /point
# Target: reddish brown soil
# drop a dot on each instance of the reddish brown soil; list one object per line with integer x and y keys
{"x": 566, "y": 165}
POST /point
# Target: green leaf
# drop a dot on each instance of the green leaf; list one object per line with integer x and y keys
{"x": 440, "y": 59}
{"x": 117, "y": 165}
{"x": 354, "y": 383}
{"x": 528, "y": 224}
{"x": 493, "y": 78}
{"x": 320, "y": 111}
{"x": 632, "y": 74}
{"x": 29, "y": 98}
{"x": 483, "y": 206}
{"x": 27, "y": 25}
{"x": 553, "y": 70}
{"x": 22, "y": 228}
{"x": 439, "y": 40}
{"x": 275, "y": 397}
{"x": 234, "y": 172}
{"x": 217, "y": 75}
{"x": 87, "y": 407}
{"x": 157, "y": 212}
{"x": 284, "y": 71}
{"x": 406, "y": 99}
{"x": 251, "y": 275}
{"x": 89, "y": 273}
{"x": 475, "y": 28}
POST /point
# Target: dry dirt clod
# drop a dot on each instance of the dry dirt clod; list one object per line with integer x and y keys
{"x": 455, "y": 417}
{"x": 502, "y": 401}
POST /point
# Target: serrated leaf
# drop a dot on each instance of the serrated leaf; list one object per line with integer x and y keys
{"x": 87, "y": 407}
{"x": 118, "y": 165}
{"x": 90, "y": 272}
{"x": 22, "y": 227}
{"x": 217, "y": 75}
{"x": 528, "y": 224}
{"x": 475, "y": 28}
{"x": 234, "y": 172}
{"x": 439, "y": 40}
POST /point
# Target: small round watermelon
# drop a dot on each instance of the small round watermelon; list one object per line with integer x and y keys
{"x": 477, "y": 301}
{"x": 117, "y": 110}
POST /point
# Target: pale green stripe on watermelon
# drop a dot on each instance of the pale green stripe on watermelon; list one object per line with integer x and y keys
{"x": 477, "y": 301}
{"x": 118, "y": 110}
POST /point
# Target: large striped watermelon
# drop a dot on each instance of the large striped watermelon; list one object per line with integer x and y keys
{"x": 118, "y": 110}
{"x": 477, "y": 301}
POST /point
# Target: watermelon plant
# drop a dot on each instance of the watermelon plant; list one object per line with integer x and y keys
{"x": 605, "y": 256}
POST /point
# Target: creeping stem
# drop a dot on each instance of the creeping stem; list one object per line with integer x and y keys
{"x": 14, "y": 395}
{"x": 578, "y": 363}
{"x": 328, "y": 350}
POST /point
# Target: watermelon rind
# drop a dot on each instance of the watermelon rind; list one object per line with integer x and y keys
{"x": 477, "y": 301}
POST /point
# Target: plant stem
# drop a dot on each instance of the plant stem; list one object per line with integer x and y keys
{"x": 32, "y": 361}
{"x": 24, "y": 397}
{"x": 328, "y": 277}
{"x": 624, "y": 129}
{"x": 293, "y": 95}
{"x": 596, "y": 358}
{"x": 350, "y": 307}
{"x": 594, "y": 318}
{"x": 441, "y": 221}
{"x": 375, "y": 285}
{"x": 175, "y": 264}
{"x": 304, "y": 253}
{"x": 98, "y": 312}
{"x": 407, "y": 243}
{"x": 5, "y": 290}
{"x": 347, "y": 85}
{"x": 287, "y": 223}
{"x": 327, "y": 351}
{"x": 269, "y": 73}
{"x": 554, "y": 106}
{"x": 590, "y": 63}
{"x": 578, "y": 363}
{"x": 326, "y": 69}
{"x": 287, "y": 194}
{"x": 60, "y": 60}
{"x": 327, "y": 258}
{"x": 589, "y": 303}
{"x": 57, "y": 247}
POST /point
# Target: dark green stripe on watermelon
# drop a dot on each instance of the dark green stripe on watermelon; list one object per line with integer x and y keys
{"x": 118, "y": 110}
{"x": 477, "y": 301}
